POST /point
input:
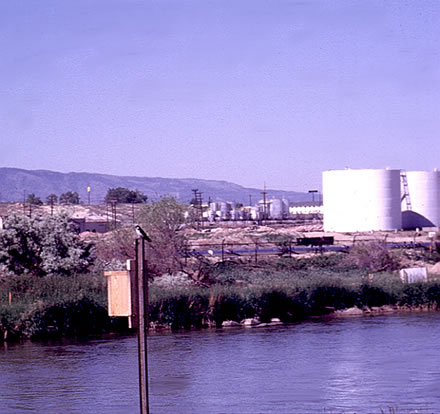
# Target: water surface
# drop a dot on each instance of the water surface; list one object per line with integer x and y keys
{"x": 357, "y": 365}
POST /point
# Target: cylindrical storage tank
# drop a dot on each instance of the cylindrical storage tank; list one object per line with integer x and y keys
{"x": 421, "y": 204}
{"x": 361, "y": 200}
{"x": 276, "y": 209}
{"x": 286, "y": 208}
{"x": 224, "y": 211}
{"x": 255, "y": 213}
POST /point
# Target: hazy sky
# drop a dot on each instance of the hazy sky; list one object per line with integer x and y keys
{"x": 248, "y": 91}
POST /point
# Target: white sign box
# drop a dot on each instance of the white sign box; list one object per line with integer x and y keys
{"x": 414, "y": 275}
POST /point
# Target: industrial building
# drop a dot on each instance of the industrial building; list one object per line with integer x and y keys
{"x": 380, "y": 199}
{"x": 305, "y": 208}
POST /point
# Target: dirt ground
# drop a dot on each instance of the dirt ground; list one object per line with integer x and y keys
{"x": 234, "y": 232}
{"x": 253, "y": 233}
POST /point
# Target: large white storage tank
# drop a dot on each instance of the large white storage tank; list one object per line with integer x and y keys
{"x": 361, "y": 200}
{"x": 276, "y": 209}
{"x": 422, "y": 209}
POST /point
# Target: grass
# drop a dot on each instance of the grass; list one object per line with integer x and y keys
{"x": 289, "y": 296}
{"x": 54, "y": 306}
{"x": 291, "y": 290}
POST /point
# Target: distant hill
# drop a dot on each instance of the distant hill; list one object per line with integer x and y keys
{"x": 15, "y": 183}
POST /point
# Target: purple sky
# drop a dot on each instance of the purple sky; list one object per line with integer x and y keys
{"x": 248, "y": 91}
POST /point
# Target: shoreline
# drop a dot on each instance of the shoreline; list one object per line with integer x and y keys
{"x": 77, "y": 307}
{"x": 353, "y": 312}
{"x": 248, "y": 323}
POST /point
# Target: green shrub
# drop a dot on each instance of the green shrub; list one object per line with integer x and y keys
{"x": 323, "y": 298}
{"x": 43, "y": 245}
{"x": 182, "y": 310}
{"x": 375, "y": 296}
{"x": 279, "y": 304}
{"x": 375, "y": 256}
{"x": 58, "y": 305}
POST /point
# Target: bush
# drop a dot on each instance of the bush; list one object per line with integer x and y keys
{"x": 279, "y": 304}
{"x": 322, "y": 299}
{"x": 43, "y": 245}
{"x": 375, "y": 256}
{"x": 179, "y": 307}
{"x": 55, "y": 306}
{"x": 333, "y": 261}
{"x": 375, "y": 296}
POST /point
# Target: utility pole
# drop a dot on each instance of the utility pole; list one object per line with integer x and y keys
{"x": 264, "y": 203}
{"x": 313, "y": 192}
{"x": 51, "y": 201}
{"x": 112, "y": 204}
{"x": 142, "y": 293}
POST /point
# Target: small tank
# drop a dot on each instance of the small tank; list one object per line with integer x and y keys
{"x": 276, "y": 209}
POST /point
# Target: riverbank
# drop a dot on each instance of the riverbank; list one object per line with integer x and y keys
{"x": 54, "y": 306}
{"x": 289, "y": 298}
{"x": 60, "y": 306}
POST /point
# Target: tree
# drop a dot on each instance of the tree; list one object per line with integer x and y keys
{"x": 43, "y": 245}
{"x": 69, "y": 198}
{"x": 163, "y": 221}
{"x": 51, "y": 199}
{"x": 33, "y": 199}
{"x": 124, "y": 195}
{"x": 113, "y": 250}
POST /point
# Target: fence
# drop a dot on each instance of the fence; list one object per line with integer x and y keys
{"x": 252, "y": 251}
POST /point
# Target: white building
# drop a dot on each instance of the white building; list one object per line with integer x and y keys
{"x": 306, "y": 207}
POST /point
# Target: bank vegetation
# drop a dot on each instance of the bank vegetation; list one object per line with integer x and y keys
{"x": 289, "y": 290}
{"x": 52, "y": 283}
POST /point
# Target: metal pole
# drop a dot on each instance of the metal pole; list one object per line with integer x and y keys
{"x": 256, "y": 252}
{"x": 143, "y": 325}
{"x": 313, "y": 194}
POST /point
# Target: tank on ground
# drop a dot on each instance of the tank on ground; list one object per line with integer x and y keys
{"x": 422, "y": 208}
{"x": 361, "y": 200}
{"x": 276, "y": 209}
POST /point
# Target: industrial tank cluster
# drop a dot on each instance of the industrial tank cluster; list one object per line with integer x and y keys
{"x": 274, "y": 209}
{"x": 380, "y": 199}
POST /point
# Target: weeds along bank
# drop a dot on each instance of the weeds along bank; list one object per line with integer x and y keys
{"x": 53, "y": 306}
{"x": 286, "y": 296}
{"x": 50, "y": 285}
{"x": 291, "y": 290}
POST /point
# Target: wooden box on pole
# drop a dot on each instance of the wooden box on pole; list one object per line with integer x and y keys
{"x": 122, "y": 293}
{"x": 118, "y": 293}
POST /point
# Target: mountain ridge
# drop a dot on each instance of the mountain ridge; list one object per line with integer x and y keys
{"x": 16, "y": 183}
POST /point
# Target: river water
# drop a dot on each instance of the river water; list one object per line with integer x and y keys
{"x": 356, "y": 365}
